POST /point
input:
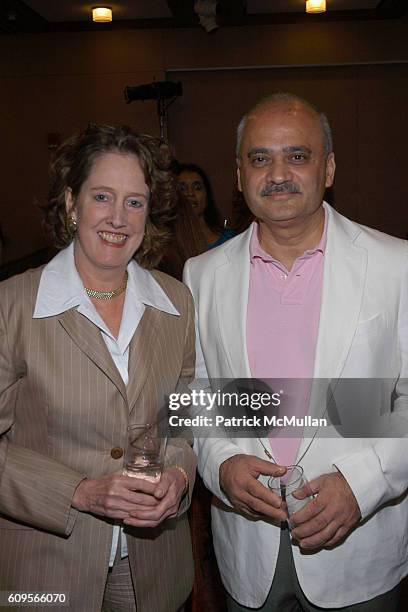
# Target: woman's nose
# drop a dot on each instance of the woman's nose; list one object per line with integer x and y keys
{"x": 117, "y": 216}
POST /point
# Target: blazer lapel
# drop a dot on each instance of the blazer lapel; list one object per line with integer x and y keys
{"x": 89, "y": 340}
{"x": 141, "y": 354}
{"x": 343, "y": 289}
{"x": 231, "y": 298}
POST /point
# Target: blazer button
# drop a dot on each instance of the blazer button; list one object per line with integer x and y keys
{"x": 117, "y": 452}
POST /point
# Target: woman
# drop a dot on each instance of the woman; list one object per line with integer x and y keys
{"x": 90, "y": 344}
{"x": 188, "y": 239}
{"x": 194, "y": 184}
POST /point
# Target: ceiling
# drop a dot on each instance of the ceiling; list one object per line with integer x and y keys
{"x": 19, "y": 16}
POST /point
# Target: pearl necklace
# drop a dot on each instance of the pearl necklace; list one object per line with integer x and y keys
{"x": 107, "y": 295}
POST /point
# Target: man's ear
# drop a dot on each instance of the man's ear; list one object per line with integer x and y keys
{"x": 330, "y": 169}
{"x": 239, "y": 175}
{"x": 70, "y": 204}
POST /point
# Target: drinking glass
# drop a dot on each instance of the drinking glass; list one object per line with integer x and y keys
{"x": 286, "y": 486}
{"x": 145, "y": 451}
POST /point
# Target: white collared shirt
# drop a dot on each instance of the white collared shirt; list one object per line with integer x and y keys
{"x": 61, "y": 289}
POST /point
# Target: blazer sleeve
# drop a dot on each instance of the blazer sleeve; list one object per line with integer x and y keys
{"x": 211, "y": 451}
{"x": 34, "y": 489}
{"x": 179, "y": 450}
{"x": 378, "y": 473}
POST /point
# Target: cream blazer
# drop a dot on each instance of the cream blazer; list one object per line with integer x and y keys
{"x": 363, "y": 333}
{"x": 63, "y": 409}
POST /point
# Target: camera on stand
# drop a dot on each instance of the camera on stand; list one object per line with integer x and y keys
{"x": 160, "y": 91}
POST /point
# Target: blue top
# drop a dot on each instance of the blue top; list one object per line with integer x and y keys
{"x": 225, "y": 235}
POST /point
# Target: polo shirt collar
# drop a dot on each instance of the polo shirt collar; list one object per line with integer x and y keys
{"x": 257, "y": 252}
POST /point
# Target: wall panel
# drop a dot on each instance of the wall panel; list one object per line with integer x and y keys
{"x": 366, "y": 106}
{"x": 58, "y": 82}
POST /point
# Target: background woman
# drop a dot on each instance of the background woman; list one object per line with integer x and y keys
{"x": 187, "y": 241}
{"x": 89, "y": 344}
{"x": 195, "y": 185}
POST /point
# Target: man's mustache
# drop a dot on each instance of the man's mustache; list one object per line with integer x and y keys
{"x": 286, "y": 187}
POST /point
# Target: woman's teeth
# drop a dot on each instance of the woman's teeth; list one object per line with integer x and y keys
{"x": 116, "y": 238}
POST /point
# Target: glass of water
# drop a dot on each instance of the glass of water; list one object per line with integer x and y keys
{"x": 145, "y": 452}
{"x": 287, "y": 485}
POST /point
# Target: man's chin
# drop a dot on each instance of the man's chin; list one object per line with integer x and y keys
{"x": 282, "y": 220}
{"x": 280, "y": 209}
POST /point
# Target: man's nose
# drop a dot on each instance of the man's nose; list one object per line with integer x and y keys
{"x": 278, "y": 171}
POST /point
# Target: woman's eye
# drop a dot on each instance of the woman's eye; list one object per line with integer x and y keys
{"x": 198, "y": 186}
{"x": 101, "y": 197}
{"x": 135, "y": 203}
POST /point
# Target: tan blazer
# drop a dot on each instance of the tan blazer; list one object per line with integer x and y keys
{"x": 63, "y": 408}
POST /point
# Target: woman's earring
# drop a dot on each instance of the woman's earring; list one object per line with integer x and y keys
{"x": 71, "y": 226}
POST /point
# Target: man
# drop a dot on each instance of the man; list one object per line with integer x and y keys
{"x": 304, "y": 293}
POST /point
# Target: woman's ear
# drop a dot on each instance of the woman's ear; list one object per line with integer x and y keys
{"x": 70, "y": 204}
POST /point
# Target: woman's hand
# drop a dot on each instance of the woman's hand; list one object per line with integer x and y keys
{"x": 168, "y": 493}
{"x": 116, "y": 495}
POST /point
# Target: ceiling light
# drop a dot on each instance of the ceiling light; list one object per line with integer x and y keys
{"x": 207, "y": 13}
{"x": 315, "y": 6}
{"x": 102, "y": 14}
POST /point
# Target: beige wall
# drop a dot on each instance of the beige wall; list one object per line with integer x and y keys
{"x": 57, "y": 83}
{"x": 367, "y": 107}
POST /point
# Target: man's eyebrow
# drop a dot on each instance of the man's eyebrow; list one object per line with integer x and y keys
{"x": 290, "y": 149}
{"x": 297, "y": 149}
{"x": 258, "y": 150}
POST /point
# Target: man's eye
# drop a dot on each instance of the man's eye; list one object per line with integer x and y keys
{"x": 298, "y": 157}
{"x": 182, "y": 186}
{"x": 259, "y": 160}
{"x": 198, "y": 186}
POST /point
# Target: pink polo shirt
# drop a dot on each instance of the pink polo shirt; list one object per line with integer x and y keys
{"x": 282, "y": 326}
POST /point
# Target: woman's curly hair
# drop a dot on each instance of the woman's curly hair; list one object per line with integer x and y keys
{"x": 71, "y": 168}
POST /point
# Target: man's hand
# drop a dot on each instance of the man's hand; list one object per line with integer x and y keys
{"x": 114, "y": 495}
{"x": 329, "y": 517}
{"x": 238, "y": 479}
{"x": 168, "y": 494}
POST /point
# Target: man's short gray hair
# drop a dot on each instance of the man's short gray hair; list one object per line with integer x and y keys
{"x": 289, "y": 99}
